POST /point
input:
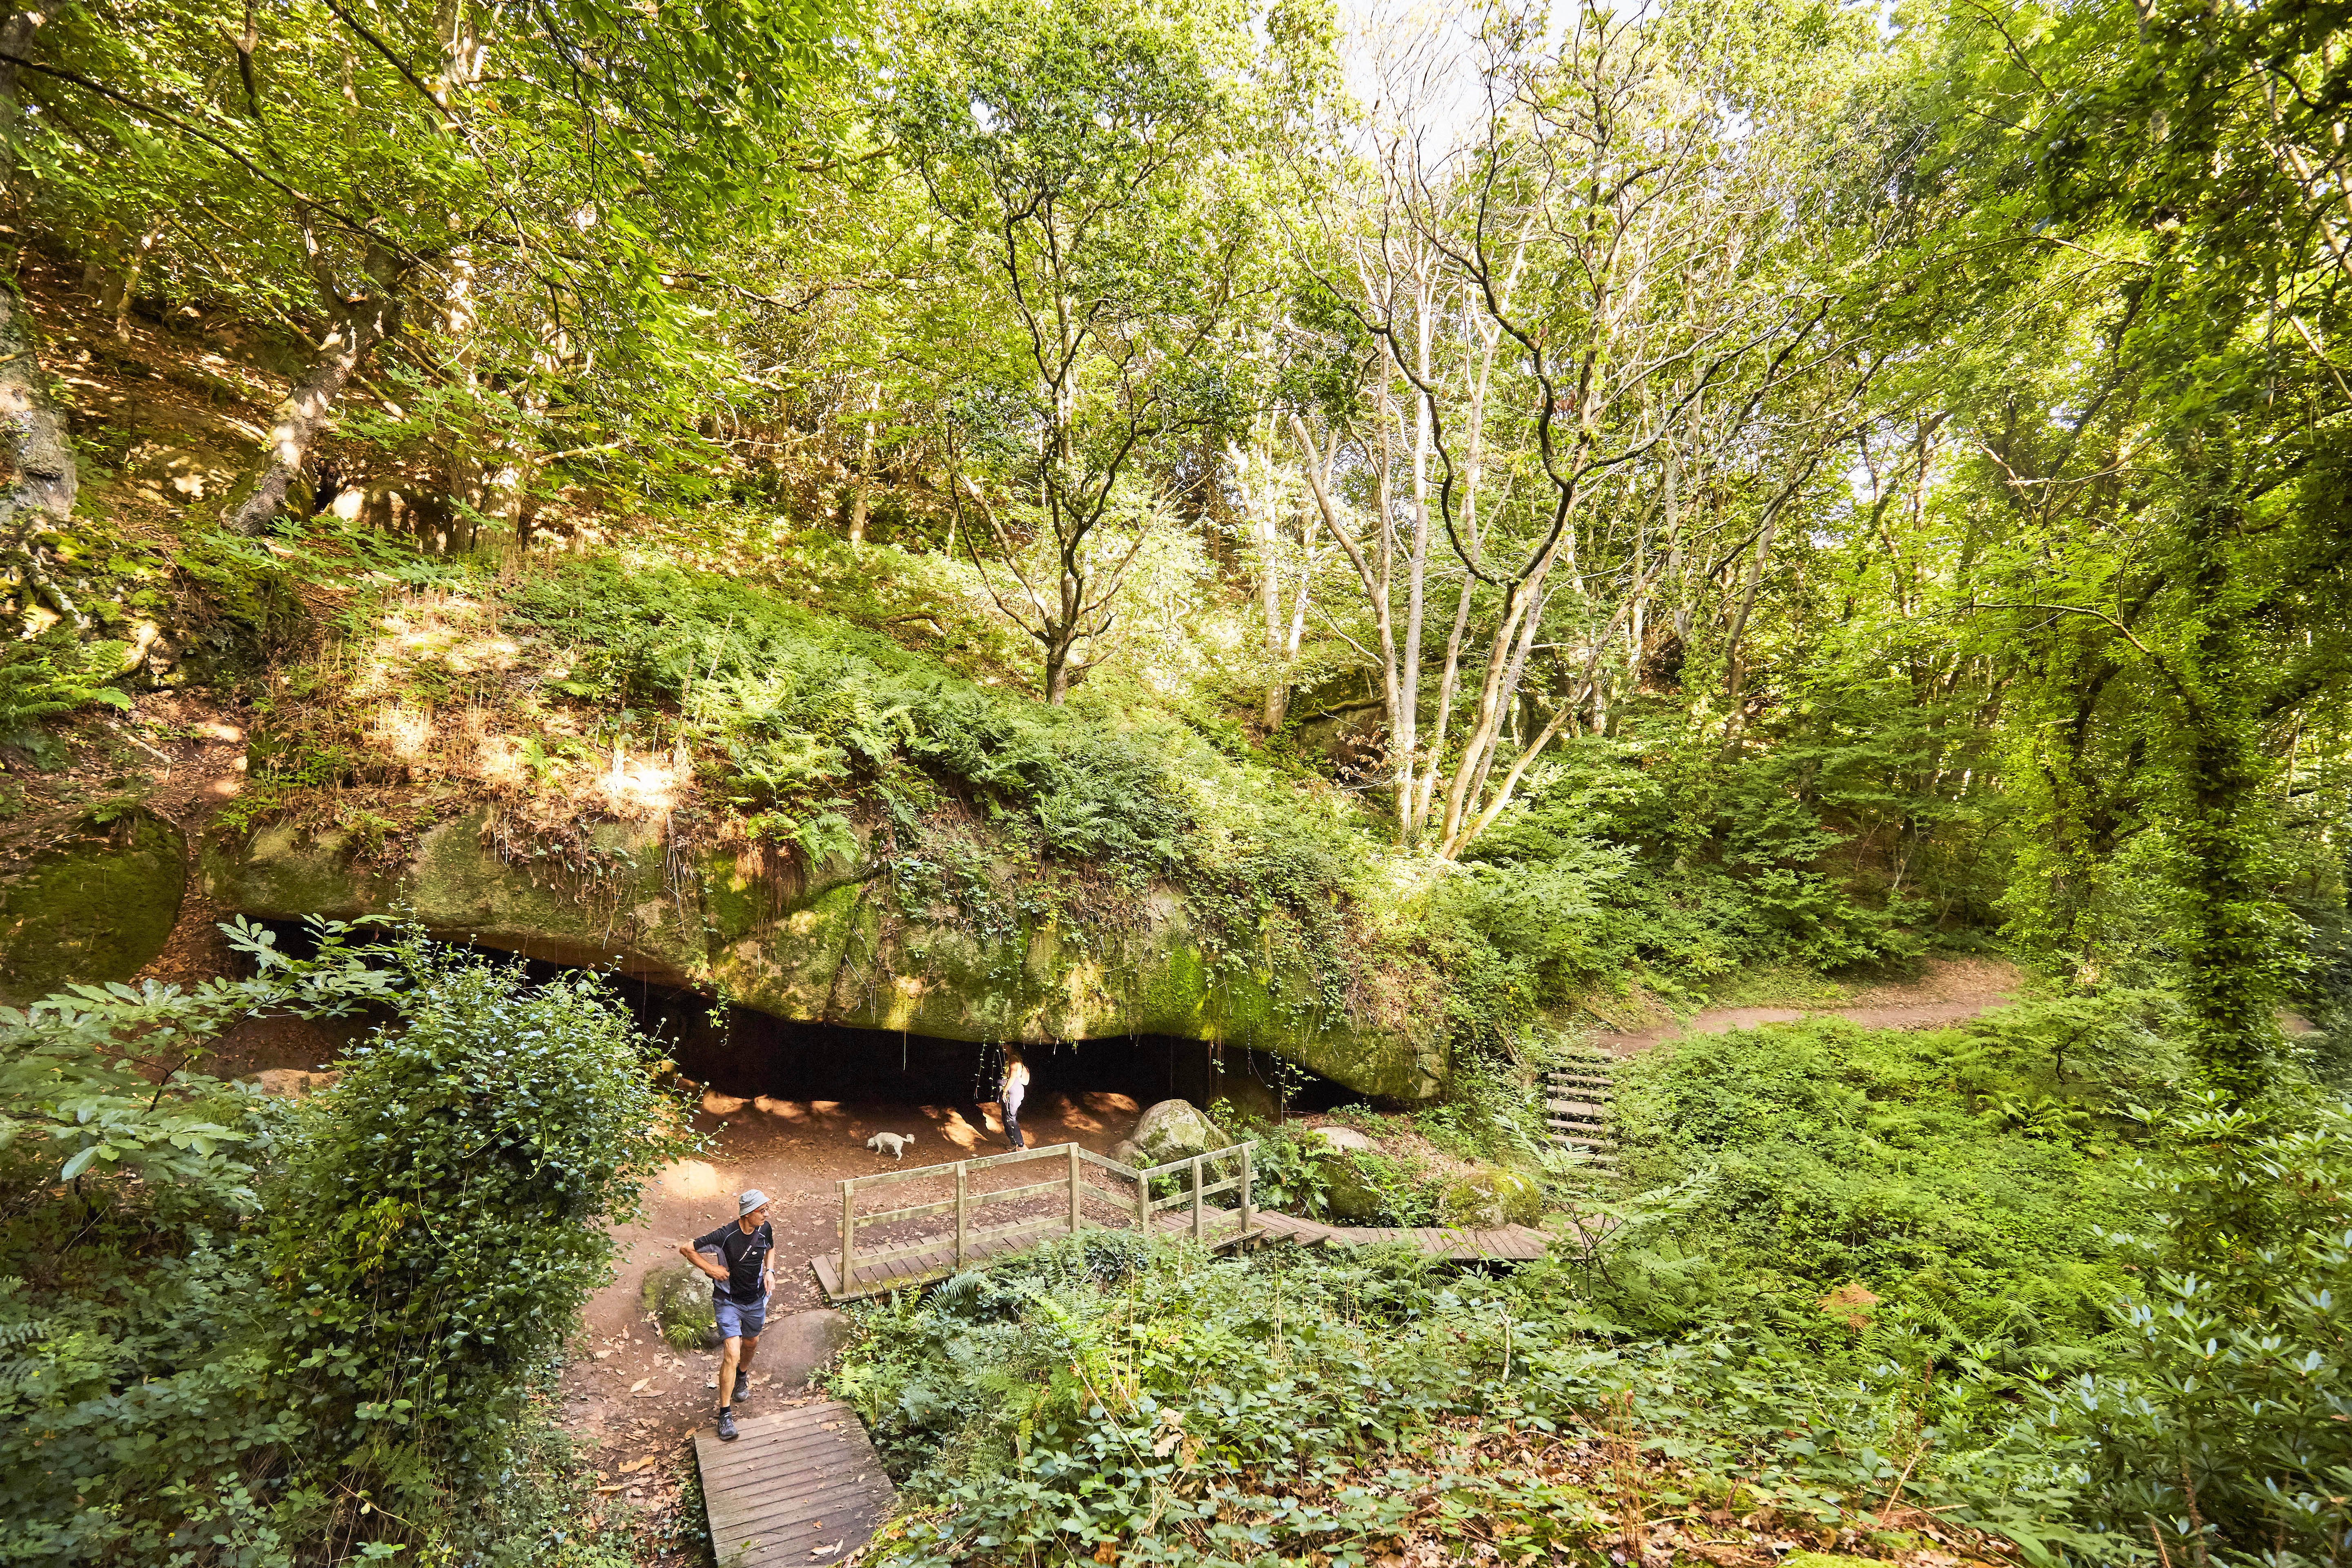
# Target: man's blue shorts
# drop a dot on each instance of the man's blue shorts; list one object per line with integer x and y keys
{"x": 739, "y": 1322}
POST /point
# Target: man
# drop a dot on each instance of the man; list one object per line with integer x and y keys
{"x": 736, "y": 1257}
{"x": 1016, "y": 1086}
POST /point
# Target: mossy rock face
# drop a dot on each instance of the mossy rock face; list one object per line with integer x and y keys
{"x": 678, "y": 1299}
{"x": 1348, "y": 1193}
{"x": 91, "y": 908}
{"x": 814, "y": 946}
{"x": 1491, "y": 1198}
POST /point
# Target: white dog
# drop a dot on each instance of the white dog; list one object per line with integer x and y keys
{"x": 892, "y": 1143}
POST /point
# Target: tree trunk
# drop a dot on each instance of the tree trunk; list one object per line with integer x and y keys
{"x": 309, "y": 407}
{"x": 862, "y": 488}
{"x": 43, "y": 494}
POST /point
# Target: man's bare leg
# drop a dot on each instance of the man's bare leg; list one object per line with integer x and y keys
{"x": 730, "y": 1356}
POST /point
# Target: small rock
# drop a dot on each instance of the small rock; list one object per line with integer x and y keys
{"x": 679, "y": 1300}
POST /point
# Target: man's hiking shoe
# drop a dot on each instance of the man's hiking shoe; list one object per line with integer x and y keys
{"x": 726, "y": 1425}
{"x": 742, "y": 1385}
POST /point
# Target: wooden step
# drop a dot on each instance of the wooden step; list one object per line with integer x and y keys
{"x": 801, "y": 1486}
{"x": 1576, "y": 1108}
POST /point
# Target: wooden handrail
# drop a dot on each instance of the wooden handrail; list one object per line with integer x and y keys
{"x": 967, "y": 1202}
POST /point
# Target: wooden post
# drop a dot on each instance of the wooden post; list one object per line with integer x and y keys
{"x": 1246, "y": 1206}
{"x": 1143, "y": 1204}
{"x": 848, "y": 1234}
{"x": 1196, "y": 1197}
{"x": 962, "y": 1204}
{"x": 1074, "y": 1189}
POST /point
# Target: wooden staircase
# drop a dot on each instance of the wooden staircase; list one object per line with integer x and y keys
{"x": 1578, "y": 1102}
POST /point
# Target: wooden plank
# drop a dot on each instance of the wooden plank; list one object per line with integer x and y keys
{"x": 1231, "y": 1151}
{"x": 1056, "y": 1185}
{"x": 805, "y": 1508}
{"x": 798, "y": 1480}
{"x": 1013, "y": 1157}
{"x": 819, "y": 1463}
{"x": 742, "y": 1458}
{"x": 912, "y": 1211}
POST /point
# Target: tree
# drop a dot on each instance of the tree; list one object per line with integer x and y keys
{"x": 1605, "y": 299}
{"x": 1077, "y": 158}
{"x": 2170, "y": 562}
{"x": 338, "y": 168}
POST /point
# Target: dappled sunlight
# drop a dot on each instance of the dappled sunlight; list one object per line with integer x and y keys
{"x": 640, "y": 786}
{"x": 499, "y": 760}
{"x": 692, "y": 1179}
{"x": 953, "y": 1126}
{"x": 403, "y": 730}
{"x": 718, "y": 1104}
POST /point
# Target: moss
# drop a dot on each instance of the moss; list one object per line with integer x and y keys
{"x": 1492, "y": 1197}
{"x": 679, "y": 1300}
{"x": 831, "y": 952}
{"x": 93, "y": 909}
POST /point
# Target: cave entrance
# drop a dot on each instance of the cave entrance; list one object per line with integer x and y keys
{"x": 738, "y": 1051}
{"x": 744, "y": 1056}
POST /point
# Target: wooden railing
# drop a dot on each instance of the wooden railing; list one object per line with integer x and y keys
{"x": 973, "y": 1240}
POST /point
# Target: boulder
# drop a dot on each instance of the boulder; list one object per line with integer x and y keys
{"x": 678, "y": 1299}
{"x": 794, "y": 1349}
{"x": 1490, "y": 1198}
{"x": 1348, "y": 1193}
{"x": 95, "y": 906}
{"x": 1169, "y": 1130}
{"x": 1347, "y": 1140}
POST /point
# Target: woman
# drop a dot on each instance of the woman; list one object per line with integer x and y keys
{"x": 1015, "y": 1087}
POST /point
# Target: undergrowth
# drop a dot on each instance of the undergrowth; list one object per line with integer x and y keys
{"x": 1859, "y": 1303}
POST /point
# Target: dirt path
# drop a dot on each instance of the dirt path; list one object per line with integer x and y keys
{"x": 628, "y": 1398}
{"x": 1950, "y": 990}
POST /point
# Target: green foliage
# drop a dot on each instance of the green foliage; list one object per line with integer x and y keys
{"x": 350, "y": 1370}
{"x": 799, "y": 703}
{"x": 2226, "y": 1422}
{"x": 1961, "y": 1177}
{"x": 50, "y": 676}
{"x": 1269, "y": 1406}
{"x": 73, "y": 1099}
{"x": 446, "y": 1212}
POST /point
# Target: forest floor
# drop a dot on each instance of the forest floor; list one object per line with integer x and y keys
{"x": 629, "y": 1401}
{"x": 1948, "y": 991}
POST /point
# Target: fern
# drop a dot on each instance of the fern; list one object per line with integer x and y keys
{"x": 24, "y": 1332}
{"x": 41, "y": 680}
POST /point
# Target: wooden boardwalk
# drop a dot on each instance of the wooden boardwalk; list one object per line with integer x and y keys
{"x": 937, "y": 1259}
{"x": 1449, "y": 1244}
{"x": 1057, "y": 1206}
{"x": 1579, "y": 1104}
{"x": 800, "y": 1485}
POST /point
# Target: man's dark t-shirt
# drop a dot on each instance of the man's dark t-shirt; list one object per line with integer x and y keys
{"x": 743, "y": 1253}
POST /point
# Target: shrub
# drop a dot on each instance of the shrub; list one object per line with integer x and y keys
{"x": 443, "y": 1214}
{"x": 2225, "y": 1426}
{"x": 344, "y": 1373}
